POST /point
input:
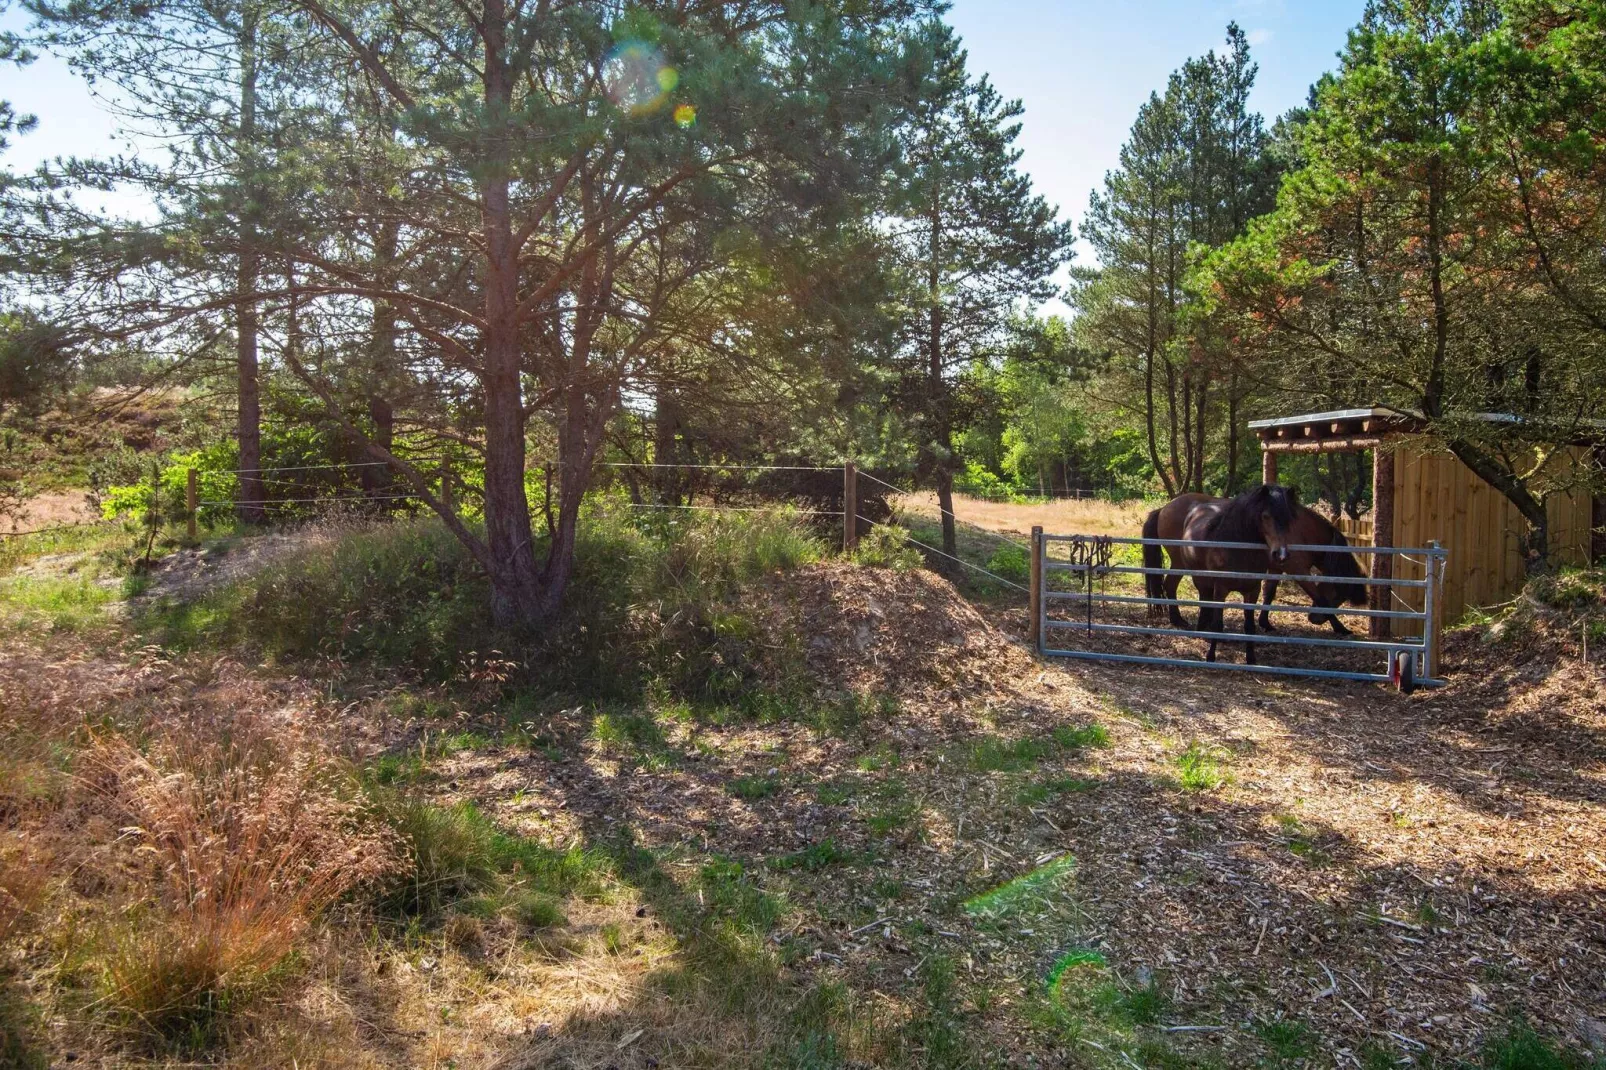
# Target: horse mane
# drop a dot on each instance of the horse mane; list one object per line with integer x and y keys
{"x": 1239, "y": 518}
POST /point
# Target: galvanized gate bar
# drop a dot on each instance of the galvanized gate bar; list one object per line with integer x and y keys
{"x": 1133, "y": 570}
{"x": 1203, "y": 544}
{"x": 1419, "y": 654}
{"x": 1274, "y": 607}
{"x": 1239, "y": 637}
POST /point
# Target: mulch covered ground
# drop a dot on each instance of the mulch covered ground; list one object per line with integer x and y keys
{"x": 1391, "y": 875}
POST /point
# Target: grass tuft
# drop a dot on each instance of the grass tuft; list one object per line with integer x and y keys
{"x": 1199, "y": 768}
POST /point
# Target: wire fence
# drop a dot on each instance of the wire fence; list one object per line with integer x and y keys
{"x": 303, "y": 494}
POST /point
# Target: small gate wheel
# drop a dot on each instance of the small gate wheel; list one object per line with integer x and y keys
{"x": 1405, "y": 671}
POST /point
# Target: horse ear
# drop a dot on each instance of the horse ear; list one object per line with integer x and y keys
{"x": 1293, "y": 495}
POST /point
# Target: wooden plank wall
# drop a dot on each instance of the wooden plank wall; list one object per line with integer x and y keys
{"x": 1436, "y": 497}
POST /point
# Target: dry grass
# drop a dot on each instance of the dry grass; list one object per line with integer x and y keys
{"x": 180, "y": 828}
{"x": 254, "y": 829}
{"x": 1057, "y": 518}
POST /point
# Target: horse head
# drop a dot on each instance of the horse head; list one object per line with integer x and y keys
{"x": 1273, "y": 509}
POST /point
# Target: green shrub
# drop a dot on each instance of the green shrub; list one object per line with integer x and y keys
{"x": 887, "y": 546}
{"x": 650, "y": 599}
{"x": 1012, "y": 563}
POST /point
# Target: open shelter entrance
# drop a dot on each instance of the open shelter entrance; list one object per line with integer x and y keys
{"x": 1426, "y": 497}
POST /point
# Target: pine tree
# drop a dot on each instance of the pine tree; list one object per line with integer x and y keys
{"x": 973, "y": 243}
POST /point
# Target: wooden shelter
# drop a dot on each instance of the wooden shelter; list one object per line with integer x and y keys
{"x": 1422, "y": 495}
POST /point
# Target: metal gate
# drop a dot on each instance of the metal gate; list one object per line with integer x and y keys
{"x": 1072, "y": 577}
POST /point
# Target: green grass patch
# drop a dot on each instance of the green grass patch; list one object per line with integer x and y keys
{"x": 753, "y": 788}
{"x": 456, "y": 852}
{"x": 730, "y": 893}
{"x": 70, "y": 604}
{"x": 1082, "y": 736}
{"x": 1041, "y": 791}
{"x": 814, "y": 857}
{"x": 1199, "y": 768}
{"x": 1009, "y": 897}
{"x": 995, "y": 754}
{"x": 1519, "y": 1047}
{"x": 879, "y": 757}
{"x": 1288, "y": 1038}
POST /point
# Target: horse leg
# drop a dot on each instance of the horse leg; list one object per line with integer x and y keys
{"x": 1338, "y": 625}
{"x": 1268, "y": 596}
{"x": 1249, "y": 631}
{"x": 1172, "y": 583}
{"x": 1209, "y": 619}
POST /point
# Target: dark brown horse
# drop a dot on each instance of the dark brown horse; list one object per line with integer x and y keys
{"x": 1260, "y": 515}
{"x": 1311, "y": 528}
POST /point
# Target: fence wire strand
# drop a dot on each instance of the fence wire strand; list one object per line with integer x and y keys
{"x": 951, "y": 557}
{"x": 1006, "y": 540}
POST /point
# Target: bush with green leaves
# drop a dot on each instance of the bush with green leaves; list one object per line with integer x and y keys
{"x": 887, "y": 546}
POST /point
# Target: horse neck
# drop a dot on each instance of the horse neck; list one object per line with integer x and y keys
{"x": 1236, "y": 523}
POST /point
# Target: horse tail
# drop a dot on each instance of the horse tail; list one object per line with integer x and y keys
{"x": 1153, "y": 557}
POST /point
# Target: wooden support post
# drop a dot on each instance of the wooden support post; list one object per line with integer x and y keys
{"x": 446, "y": 490}
{"x": 1382, "y": 596}
{"x": 1034, "y": 596}
{"x": 1268, "y": 466}
{"x": 850, "y": 507}
{"x": 1597, "y": 507}
{"x": 189, "y": 503}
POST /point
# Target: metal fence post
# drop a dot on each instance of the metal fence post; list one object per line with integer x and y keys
{"x": 1034, "y": 627}
{"x": 189, "y": 503}
{"x": 850, "y": 507}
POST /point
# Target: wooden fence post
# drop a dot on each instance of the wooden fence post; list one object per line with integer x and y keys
{"x": 850, "y": 507}
{"x": 189, "y": 502}
{"x": 1382, "y": 536}
{"x": 1268, "y": 466}
{"x": 1034, "y": 596}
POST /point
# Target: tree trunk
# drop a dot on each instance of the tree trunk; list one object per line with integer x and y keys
{"x": 666, "y": 431}
{"x": 1535, "y": 541}
{"x": 945, "y": 502}
{"x": 248, "y": 419}
{"x": 517, "y": 595}
{"x": 1232, "y": 435}
{"x": 376, "y": 479}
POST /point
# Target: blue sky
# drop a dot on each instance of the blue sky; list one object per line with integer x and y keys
{"x": 1084, "y": 68}
{"x": 1081, "y": 67}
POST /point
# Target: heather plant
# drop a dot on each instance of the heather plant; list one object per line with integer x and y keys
{"x": 252, "y": 828}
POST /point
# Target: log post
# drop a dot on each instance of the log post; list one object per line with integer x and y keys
{"x": 1268, "y": 466}
{"x": 850, "y": 507}
{"x": 1034, "y": 596}
{"x": 189, "y": 503}
{"x": 1382, "y": 595}
{"x": 1597, "y": 508}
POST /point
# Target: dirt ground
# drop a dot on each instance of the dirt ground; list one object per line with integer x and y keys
{"x": 1357, "y": 877}
{"x": 50, "y": 509}
{"x": 1059, "y": 517}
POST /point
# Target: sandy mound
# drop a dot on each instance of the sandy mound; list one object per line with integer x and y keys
{"x": 905, "y": 633}
{"x": 1537, "y": 671}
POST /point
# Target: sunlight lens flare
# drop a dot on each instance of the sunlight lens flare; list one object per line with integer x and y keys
{"x": 638, "y": 78}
